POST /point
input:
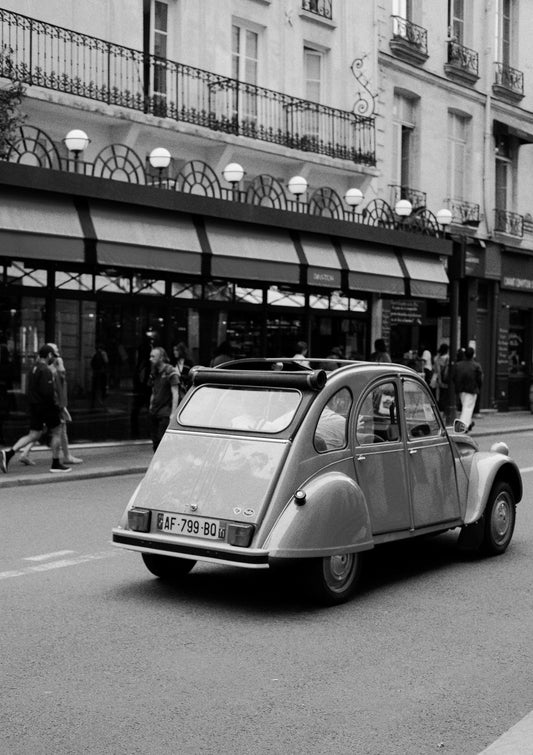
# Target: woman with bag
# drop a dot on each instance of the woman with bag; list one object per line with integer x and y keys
{"x": 439, "y": 383}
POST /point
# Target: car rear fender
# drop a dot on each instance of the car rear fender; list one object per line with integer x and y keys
{"x": 486, "y": 468}
{"x": 328, "y": 516}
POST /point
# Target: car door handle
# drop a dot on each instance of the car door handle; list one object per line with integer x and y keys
{"x": 413, "y": 451}
{"x": 361, "y": 457}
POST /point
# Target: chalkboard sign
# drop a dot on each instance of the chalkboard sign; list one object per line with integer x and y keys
{"x": 502, "y": 356}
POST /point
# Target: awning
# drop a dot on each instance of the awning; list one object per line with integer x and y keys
{"x": 370, "y": 269}
{"x": 324, "y": 266}
{"x": 251, "y": 253}
{"x": 146, "y": 239}
{"x": 427, "y": 276}
{"x": 40, "y": 227}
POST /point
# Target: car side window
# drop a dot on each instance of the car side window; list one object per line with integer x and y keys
{"x": 332, "y": 428}
{"x": 421, "y": 414}
{"x": 377, "y": 420}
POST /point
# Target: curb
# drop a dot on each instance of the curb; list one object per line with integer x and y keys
{"x": 43, "y": 479}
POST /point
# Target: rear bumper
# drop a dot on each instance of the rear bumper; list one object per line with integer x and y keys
{"x": 145, "y": 543}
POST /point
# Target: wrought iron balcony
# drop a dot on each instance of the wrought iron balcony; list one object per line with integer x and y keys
{"x": 409, "y": 41}
{"x": 508, "y": 82}
{"x": 464, "y": 213}
{"x": 508, "y": 222}
{"x": 416, "y": 197}
{"x": 55, "y": 58}
{"x": 462, "y": 62}
{"x": 321, "y": 8}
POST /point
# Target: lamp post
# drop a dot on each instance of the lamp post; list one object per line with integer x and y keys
{"x": 76, "y": 141}
{"x": 233, "y": 173}
{"x": 297, "y": 185}
{"x": 403, "y": 208}
{"x": 353, "y": 199}
{"x": 159, "y": 158}
{"x": 444, "y": 219}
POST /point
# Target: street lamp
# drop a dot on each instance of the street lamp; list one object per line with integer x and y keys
{"x": 76, "y": 141}
{"x": 353, "y": 199}
{"x": 297, "y": 185}
{"x": 159, "y": 158}
{"x": 444, "y": 219}
{"x": 233, "y": 173}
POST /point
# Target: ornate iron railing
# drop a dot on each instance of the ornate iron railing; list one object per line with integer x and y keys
{"x": 50, "y": 56}
{"x": 508, "y": 222}
{"x": 407, "y": 31}
{"x": 463, "y": 58}
{"x": 509, "y": 78}
{"x": 463, "y": 213}
{"x": 321, "y": 8}
{"x": 415, "y": 196}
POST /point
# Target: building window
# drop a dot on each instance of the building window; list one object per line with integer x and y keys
{"x": 456, "y": 23}
{"x": 244, "y": 68}
{"x": 403, "y": 9}
{"x": 504, "y": 32}
{"x": 504, "y": 173}
{"x": 156, "y": 48}
{"x": 403, "y": 130}
{"x": 457, "y": 155}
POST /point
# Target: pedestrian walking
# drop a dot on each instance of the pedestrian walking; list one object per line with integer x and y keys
{"x": 468, "y": 379}
{"x": 99, "y": 367}
{"x": 440, "y": 377}
{"x": 44, "y": 411}
{"x": 183, "y": 365}
{"x": 165, "y": 395}
{"x": 380, "y": 353}
{"x": 61, "y": 394}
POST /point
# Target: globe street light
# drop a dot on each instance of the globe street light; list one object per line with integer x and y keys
{"x": 233, "y": 173}
{"x": 353, "y": 199}
{"x": 76, "y": 141}
{"x": 403, "y": 208}
{"x": 297, "y": 185}
{"x": 159, "y": 158}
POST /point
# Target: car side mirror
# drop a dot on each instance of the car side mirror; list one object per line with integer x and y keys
{"x": 459, "y": 426}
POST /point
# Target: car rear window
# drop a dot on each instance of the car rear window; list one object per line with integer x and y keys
{"x": 263, "y": 410}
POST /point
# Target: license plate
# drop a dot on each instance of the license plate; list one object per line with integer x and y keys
{"x": 191, "y": 526}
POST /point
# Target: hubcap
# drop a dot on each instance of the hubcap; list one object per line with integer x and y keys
{"x": 501, "y": 519}
{"x": 340, "y": 571}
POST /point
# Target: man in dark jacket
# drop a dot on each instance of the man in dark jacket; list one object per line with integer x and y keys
{"x": 44, "y": 411}
{"x": 467, "y": 378}
{"x": 165, "y": 381}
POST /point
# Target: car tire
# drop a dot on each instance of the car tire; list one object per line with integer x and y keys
{"x": 332, "y": 580}
{"x": 167, "y": 567}
{"x": 498, "y": 520}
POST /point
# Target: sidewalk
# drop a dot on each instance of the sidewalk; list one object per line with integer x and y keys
{"x": 133, "y": 457}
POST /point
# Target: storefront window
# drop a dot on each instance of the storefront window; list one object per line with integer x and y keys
{"x": 186, "y": 290}
{"x": 320, "y": 301}
{"x": 285, "y": 297}
{"x": 218, "y": 291}
{"x": 74, "y": 281}
{"x": 147, "y": 286}
{"x": 17, "y": 273}
{"x": 249, "y": 295}
{"x": 116, "y": 284}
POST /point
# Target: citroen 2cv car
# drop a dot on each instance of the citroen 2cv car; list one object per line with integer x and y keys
{"x": 271, "y": 459}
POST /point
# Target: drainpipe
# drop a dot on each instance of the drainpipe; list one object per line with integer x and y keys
{"x": 488, "y": 142}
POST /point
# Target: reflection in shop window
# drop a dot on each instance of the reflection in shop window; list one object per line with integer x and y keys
{"x": 358, "y": 305}
{"x": 186, "y": 290}
{"x": 74, "y": 281}
{"x": 249, "y": 295}
{"x": 218, "y": 291}
{"x": 18, "y": 273}
{"x": 112, "y": 284}
{"x": 284, "y": 297}
{"x": 150, "y": 286}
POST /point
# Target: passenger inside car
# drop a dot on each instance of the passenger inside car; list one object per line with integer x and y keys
{"x": 332, "y": 428}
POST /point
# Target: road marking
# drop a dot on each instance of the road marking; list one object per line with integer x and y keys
{"x": 47, "y": 556}
{"x": 61, "y": 564}
{"x": 516, "y": 741}
{"x": 526, "y": 469}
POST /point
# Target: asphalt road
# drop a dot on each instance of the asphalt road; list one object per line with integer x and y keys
{"x": 434, "y": 655}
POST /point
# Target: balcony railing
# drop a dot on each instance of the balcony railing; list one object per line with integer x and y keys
{"x": 508, "y": 81}
{"x": 464, "y": 213}
{"x": 416, "y": 197}
{"x": 508, "y": 222}
{"x": 322, "y": 8}
{"x": 408, "y": 39}
{"x": 55, "y": 58}
{"x": 463, "y": 60}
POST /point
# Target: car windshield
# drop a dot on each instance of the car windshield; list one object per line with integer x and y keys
{"x": 265, "y": 410}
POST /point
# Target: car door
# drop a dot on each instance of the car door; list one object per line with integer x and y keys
{"x": 430, "y": 463}
{"x": 379, "y": 453}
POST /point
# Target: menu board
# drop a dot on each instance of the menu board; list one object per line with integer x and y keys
{"x": 502, "y": 355}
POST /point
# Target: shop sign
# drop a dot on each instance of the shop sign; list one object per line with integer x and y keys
{"x": 517, "y": 273}
{"x": 408, "y": 312}
{"x": 475, "y": 262}
{"x": 320, "y": 276}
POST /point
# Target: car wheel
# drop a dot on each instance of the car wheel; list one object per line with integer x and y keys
{"x": 334, "y": 579}
{"x": 499, "y": 520}
{"x": 167, "y": 567}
